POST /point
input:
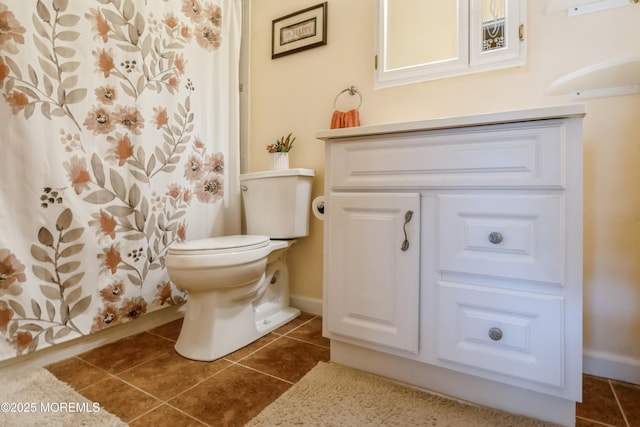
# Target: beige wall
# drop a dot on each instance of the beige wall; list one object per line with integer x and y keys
{"x": 296, "y": 94}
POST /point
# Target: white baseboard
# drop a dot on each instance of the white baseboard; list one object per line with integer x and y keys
{"x": 81, "y": 345}
{"x": 609, "y": 365}
{"x": 306, "y": 304}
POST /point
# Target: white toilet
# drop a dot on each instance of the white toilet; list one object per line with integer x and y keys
{"x": 238, "y": 286}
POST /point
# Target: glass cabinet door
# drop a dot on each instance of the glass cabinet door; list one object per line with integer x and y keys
{"x": 494, "y": 31}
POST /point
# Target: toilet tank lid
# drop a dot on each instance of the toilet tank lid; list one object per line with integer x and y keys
{"x": 236, "y": 243}
{"x": 277, "y": 172}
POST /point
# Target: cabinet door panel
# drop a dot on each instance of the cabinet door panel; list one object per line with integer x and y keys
{"x": 373, "y": 284}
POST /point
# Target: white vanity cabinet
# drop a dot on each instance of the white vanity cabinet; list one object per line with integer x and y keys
{"x": 453, "y": 256}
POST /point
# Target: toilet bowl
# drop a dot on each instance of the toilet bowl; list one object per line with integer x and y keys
{"x": 238, "y": 286}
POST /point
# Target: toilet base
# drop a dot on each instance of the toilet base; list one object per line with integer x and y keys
{"x": 227, "y": 333}
{"x": 220, "y": 321}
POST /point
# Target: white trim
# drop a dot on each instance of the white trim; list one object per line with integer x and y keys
{"x": 306, "y": 304}
{"x": 81, "y": 345}
{"x": 612, "y": 366}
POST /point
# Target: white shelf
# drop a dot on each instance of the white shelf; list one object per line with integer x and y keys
{"x": 618, "y": 76}
{"x": 580, "y": 7}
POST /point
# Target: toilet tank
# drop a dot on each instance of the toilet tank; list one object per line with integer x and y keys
{"x": 277, "y": 202}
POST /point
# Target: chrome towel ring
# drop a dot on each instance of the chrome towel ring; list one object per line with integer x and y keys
{"x": 352, "y": 91}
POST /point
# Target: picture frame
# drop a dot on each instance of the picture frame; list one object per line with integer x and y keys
{"x": 298, "y": 31}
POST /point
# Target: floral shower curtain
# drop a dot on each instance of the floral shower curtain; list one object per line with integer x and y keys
{"x": 118, "y": 137}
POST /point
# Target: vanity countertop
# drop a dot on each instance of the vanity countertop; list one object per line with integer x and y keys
{"x": 564, "y": 111}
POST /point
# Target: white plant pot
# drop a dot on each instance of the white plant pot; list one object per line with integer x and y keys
{"x": 279, "y": 160}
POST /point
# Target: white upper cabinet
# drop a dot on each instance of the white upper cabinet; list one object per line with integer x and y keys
{"x": 418, "y": 41}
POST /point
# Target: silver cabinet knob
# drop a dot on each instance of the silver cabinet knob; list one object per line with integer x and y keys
{"x": 495, "y": 237}
{"x": 495, "y": 334}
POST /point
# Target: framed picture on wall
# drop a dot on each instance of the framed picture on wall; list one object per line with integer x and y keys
{"x": 301, "y": 30}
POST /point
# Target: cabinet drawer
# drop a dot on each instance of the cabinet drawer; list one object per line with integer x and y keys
{"x": 494, "y": 156}
{"x": 511, "y": 236}
{"x": 515, "y": 334}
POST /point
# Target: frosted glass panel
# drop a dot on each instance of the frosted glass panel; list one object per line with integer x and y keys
{"x": 493, "y": 25}
{"x": 420, "y": 32}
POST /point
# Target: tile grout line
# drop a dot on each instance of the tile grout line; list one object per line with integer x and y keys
{"x": 106, "y": 374}
{"x": 153, "y": 408}
{"x": 599, "y": 423}
{"x": 170, "y": 406}
{"x": 615, "y": 395}
{"x": 278, "y": 336}
{"x": 305, "y": 341}
{"x": 265, "y": 373}
{"x": 165, "y": 401}
{"x": 197, "y": 384}
{"x": 114, "y": 376}
{"x": 189, "y": 389}
{"x": 297, "y": 327}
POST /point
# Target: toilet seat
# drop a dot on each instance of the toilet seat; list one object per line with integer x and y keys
{"x": 223, "y": 251}
{"x": 220, "y": 245}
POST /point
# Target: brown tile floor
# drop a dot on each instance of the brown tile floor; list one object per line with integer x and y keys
{"x": 142, "y": 380}
{"x": 608, "y": 403}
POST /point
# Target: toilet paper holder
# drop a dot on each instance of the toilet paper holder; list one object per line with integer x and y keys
{"x": 318, "y": 208}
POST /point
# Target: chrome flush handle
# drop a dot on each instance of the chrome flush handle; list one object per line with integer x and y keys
{"x": 407, "y": 217}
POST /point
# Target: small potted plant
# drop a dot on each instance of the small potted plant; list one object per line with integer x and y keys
{"x": 279, "y": 152}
